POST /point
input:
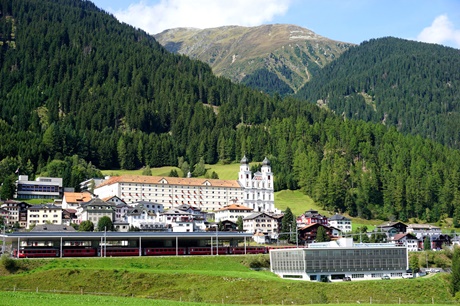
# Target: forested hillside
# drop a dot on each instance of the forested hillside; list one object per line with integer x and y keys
{"x": 81, "y": 91}
{"x": 413, "y": 86}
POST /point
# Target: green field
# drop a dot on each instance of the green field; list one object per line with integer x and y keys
{"x": 205, "y": 279}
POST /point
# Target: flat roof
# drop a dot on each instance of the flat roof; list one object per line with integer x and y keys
{"x": 124, "y": 235}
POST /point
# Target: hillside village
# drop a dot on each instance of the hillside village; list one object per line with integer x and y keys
{"x": 182, "y": 205}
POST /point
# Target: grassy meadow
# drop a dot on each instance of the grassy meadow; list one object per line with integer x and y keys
{"x": 200, "y": 279}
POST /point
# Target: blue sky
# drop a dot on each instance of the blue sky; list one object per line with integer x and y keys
{"x": 433, "y": 21}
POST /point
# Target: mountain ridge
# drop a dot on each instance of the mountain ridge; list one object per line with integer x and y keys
{"x": 294, "y": 54}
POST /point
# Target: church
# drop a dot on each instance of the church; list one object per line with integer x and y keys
{"x": 251, "y": 190}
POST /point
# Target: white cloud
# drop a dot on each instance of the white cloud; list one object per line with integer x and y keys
{"x": 169, "y": 14}
{"x": 441, "y": 31}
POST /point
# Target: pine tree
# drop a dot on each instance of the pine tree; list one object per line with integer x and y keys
{"x": 427, "y": 243}
{"x": 286, "y": 224}
{"x": 321, "y": 235}
{"x": 239, "y": 224}
{"x": 455, "y": 274}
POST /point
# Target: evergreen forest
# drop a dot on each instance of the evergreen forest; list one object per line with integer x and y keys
{"x": 411, "y": 85}
{"x": 81, "y": 92}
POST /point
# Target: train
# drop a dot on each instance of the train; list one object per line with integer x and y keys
{"x": 112, "y": 251}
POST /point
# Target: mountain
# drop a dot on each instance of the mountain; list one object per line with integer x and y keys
{"x": 273, "y": 58}
{"x": 80, "y": 90}
{"x": 410, "y": 85}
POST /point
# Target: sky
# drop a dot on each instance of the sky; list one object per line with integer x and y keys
{"x": 352, "y": 21}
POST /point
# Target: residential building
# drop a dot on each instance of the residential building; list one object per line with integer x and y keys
{"x": 43, "y": 214}
{"x": 397, "y": 226}
{"x": 340, "y": 222}
{"x": 307, "y": 234}
{"x": 74, "y": 199}
{"x": 340, "y": 259}
{"x": 407, "y": 240}
{"x": 145, "y": 216}
{"x": 90, "y": 184}
{"x": 232, "y": 212}
{"x": 121, "y": 208}
{"x": 52, "y": 228}
{"x": 41, "y": 188}
{"x": 17, "y": 212}
{"x": 94, "y": 210}
{"x": 255, "y": 191}
{"x": 260, "y": 223}
{"x": 422, "y": 230}
{"x": 311, "y": 217}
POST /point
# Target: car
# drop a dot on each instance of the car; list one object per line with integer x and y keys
{"x": 347, "y": 279}
{"x": 385, "y": 277}
{"x": 408, "y": 275}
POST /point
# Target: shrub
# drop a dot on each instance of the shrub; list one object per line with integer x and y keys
{"x": 9, "y": 263}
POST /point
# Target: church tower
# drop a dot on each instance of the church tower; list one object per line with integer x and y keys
{"x": 244, "y": 176}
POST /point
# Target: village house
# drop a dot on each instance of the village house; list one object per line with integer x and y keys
{"x": 261, "y": 223}
{"x": 43, "y": 214}
{"x": 340, "y": 222}
{"x": 307, "y": 234}
{"x": 232, "y": 212}
{"x": 311, "y": 217}
{"x": 17, "y": 212}
{"x": 407, "y": 240}
{"x": 94, "y": 210}
{"x": 73, "y": 200}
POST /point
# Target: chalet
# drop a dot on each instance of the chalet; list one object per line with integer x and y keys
{"x": 422, "y": 230}
{"x": 311, "y": 217}
{"x": 307, "y": 234}
{"x": 407, "y": 240}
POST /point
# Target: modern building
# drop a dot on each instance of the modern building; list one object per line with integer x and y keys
{"x": 340, "y": 222}
{"x": 43, "y": 214}
{"x": 254, "y": 191}
{"x": 41, "y": 188}
{"x": 336, "y": 260}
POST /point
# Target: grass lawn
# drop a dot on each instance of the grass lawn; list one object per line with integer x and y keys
{"x": 201, "y": 279}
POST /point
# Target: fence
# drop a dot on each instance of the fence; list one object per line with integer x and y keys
{"x": 196, "y": 297}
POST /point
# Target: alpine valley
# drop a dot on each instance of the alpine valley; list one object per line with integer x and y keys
{"x": 80, "y": 91}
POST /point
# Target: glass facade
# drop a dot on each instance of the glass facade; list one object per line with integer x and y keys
{"x": 350, "y": 261}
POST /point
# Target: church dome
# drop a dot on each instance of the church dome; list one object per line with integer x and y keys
{"x": 244, "y": 160}
{"x": 266, "y": 162}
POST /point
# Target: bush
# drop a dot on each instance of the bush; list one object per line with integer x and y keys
{"x": 257, "y": 262}
{"x": 9, "y": 263}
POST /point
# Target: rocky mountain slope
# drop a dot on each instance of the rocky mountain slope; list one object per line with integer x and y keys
{"x": 286, "y": 54}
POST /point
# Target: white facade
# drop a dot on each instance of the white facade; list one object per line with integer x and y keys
{"x": 145, "y": 216}
{"x": 95, "y": 210}
{"x": 258, "y": 189}
{"x": 41, "y": 214}
{"x": 260, "y": 223}
{"x": 340, "y": 222}
{"x": 422, "y": 230}
{"x": 207, "y": 194}
{"x": 73, "y": 199}
{"x": 232, "y": 212}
